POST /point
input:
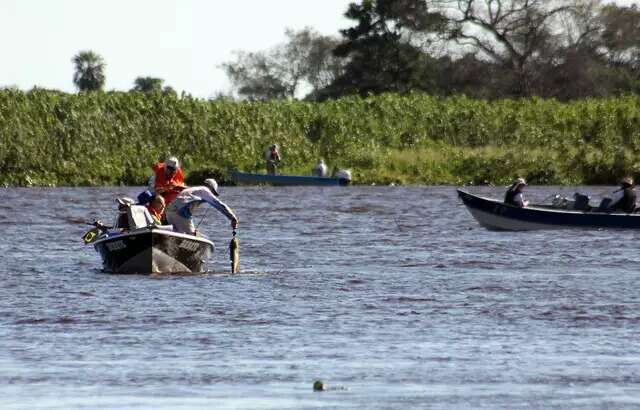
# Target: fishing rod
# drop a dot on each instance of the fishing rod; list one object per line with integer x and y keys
{"x": 203, "y": 216}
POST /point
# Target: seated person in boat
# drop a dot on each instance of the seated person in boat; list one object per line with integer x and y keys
{"x": 272, "y": 155}
{"x": 156, "y": 209}
{"x": 167, "y": 179}
{"x": 515, "y": 196}
{"x": 320, "y": 170}
{"x": 624, "y": 199}
{"x": 180, "y": 211}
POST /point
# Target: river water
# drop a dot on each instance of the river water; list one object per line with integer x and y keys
{"x": 394, "y": 297}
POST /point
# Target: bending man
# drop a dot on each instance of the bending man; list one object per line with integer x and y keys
{"x": 179, "y": 212}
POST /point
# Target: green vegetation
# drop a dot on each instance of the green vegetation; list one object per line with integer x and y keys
{"x": 49, "y": 138}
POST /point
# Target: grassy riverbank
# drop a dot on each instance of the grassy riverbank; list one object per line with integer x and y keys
{"x": 49, "y": 138}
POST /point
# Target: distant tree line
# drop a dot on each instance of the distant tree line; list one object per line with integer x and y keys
{"x": 89, "y": 75}
{"x": 564, "y": 49}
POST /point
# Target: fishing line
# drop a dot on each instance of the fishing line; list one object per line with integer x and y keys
{"x": 203, "y": 216}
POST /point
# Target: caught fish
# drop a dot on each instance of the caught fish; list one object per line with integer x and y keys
{"x": 234, "y": 253}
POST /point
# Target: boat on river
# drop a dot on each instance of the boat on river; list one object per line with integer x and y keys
{"x": 244, "y": 178}
{"x": 494, "y": 214}
{"x": 135, "y": 245}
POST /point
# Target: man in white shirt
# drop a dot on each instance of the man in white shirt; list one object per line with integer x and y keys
{"x": 179, "y": 212}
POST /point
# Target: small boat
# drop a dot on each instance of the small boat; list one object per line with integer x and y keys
{"x": 244, "y": 178}
{"x": 135, "y": 245}
{"x": 494, "y": 214}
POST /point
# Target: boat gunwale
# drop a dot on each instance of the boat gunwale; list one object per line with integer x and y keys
{"x": 141, "y": 231}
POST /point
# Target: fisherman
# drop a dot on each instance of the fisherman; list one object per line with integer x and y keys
{"x": 273, "y": 159}
{"x": 156, "y": 208}
{"x": 514, "y": 195}
{"x": 167, "y": 179}
{"x": 320, "y": 170}
{"x": 624, "y": 199}
{"x": 180, "y": 211}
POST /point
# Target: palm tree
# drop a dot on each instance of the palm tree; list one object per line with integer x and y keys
{"x": 89, "y": 71}
{"x": 147, "y": 84}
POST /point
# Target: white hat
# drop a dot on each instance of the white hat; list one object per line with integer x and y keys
{"x": 212, "y": 184}
{"x": 520, "y": 181}
{"x": 627, "y": 181}
{"x": 172, "y": 162}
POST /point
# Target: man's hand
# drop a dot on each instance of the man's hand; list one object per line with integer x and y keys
{"x": 234, "y": 224}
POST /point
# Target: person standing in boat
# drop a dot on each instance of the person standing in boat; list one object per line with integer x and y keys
{"x": 167, "y": 179}
{"x": 515, "y": 196}
{"x": 624, "y": 199}
{"x": 320, "y": 170}
{"x": 272, "y": 155}
{"x": 180, "y": 211}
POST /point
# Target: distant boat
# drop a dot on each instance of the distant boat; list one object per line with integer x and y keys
{"x": 494, "y": 214}
{"x": 244, "y": 178}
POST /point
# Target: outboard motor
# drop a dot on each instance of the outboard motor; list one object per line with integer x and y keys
{"x": 344, "y": 174}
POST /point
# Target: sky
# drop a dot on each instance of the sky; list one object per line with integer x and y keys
{"x": 181, "y": 41}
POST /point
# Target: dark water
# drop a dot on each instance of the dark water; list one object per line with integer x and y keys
{"x": 394, "y": 297}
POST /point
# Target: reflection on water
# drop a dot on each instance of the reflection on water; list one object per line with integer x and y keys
{"x": 393, "y": 296}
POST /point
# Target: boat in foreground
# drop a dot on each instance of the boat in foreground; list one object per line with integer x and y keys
{"x": 496, "y": 215}
{"x": 244, "y": 178}
{"x": 135, "y": 245}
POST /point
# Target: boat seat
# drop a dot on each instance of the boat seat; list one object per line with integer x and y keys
{"x": 605, "y": 205}
{"x": 139, "y": 217}
{"x": 133, "y": 217}
{"x": 581, "y": 202}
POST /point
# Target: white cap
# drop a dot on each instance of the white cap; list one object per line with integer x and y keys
{"x": 212, "y": 185}
{"x": 172, "y": 162}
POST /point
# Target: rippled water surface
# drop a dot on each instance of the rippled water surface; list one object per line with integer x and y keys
{"x": 394, "y": 297}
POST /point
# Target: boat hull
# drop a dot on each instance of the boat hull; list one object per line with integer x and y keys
{"x": 496, "y": 215}
{"x": 146, "y": 251}
{"x": 243, "y": 178}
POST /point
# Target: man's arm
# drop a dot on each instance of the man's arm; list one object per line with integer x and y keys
{"x": 220, "y": 206}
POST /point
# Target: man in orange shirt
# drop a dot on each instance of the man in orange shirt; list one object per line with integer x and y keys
{"x": 167, "y": 179}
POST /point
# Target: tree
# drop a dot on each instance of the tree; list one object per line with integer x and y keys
{"x": 89, "y": 71}
{"x": 620, "y": 36}
{"x": 147, "y": 84}
{"x": 257, "y": 76}
{"x": 517, "y": 34}
{"x": 169, "y": 91}
{"x": 305, "y": 60}
{"x": 379, "y": 50}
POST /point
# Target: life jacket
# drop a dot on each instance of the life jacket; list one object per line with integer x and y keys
{"x": 628, "y": 201}
{"x": 509, "y": 197}
{"x": 512, "y": 194}
{"x": 157, "y": 216}
{"x": 163, "y": 183}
